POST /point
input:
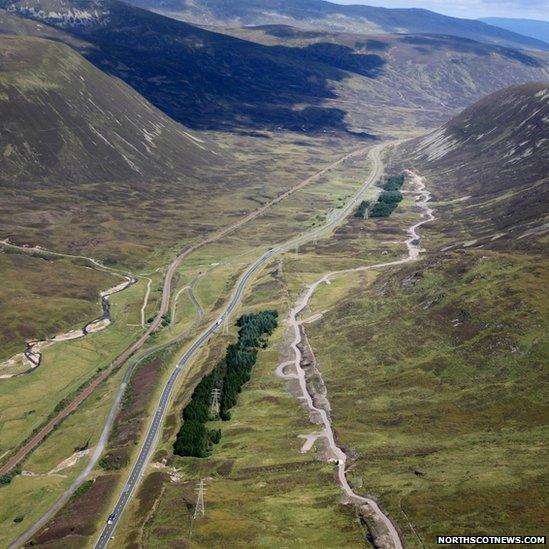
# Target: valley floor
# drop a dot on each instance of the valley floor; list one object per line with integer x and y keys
{"x": 432, "y": 384}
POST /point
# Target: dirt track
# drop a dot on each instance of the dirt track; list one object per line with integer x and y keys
{"x": 390, "y": 536}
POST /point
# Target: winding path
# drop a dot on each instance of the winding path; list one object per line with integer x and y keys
{"x": 51, "y": 424}
{"x": 412, "y": 243}
{"x": 29, "y": 446}
{"x": 190, "y": 292}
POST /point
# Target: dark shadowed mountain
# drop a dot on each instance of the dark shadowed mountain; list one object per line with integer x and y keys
{"x": 318, "y": 14}
{"x": 341, "y": 83}
{"x": 201, "y": 78}
{"x": 423, "y": 78}
{"x": 490, "y": 162}
{"x": 63, "y": 120}
{"x": 527, "y": 27}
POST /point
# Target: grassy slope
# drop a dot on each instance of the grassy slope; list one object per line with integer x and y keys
{"x": 444, "y": 422}
{"x": 68, "y": 122}
{"x": 27, "y": 400}
{"x": 220, "y": 265}
{"x": 43, "y": 298}
{"x": 446, "y": 418}
{"x": 254, "y": 478}
{"x": 435, "y": 371}
{"x": 294, "y": 81}
{"x": 392, "y": 78}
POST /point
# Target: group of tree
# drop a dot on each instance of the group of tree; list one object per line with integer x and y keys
{"x": 390, "y": 198}
{"x": 362, "y": 209}
{"x": 194, "y": 438}
{"x": 394, "y": 183}
{"x": 242, "y": 355}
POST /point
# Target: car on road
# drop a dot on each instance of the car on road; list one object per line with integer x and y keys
{"x": 110, "y": 520}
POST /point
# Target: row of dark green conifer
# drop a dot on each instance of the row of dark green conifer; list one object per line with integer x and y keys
{"x": 387, "y": 201}
{"x": 194, "y": 438}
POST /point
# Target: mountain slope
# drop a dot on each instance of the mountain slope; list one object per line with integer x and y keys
{"x": 203, "y": 79}
{"x": 435, "y": 370}
{"x": 394, "y": 79}
{"x": 89, "y": 166}
{"x": 329, "y": 83}
{"x": 65, "y": 121}
{"x": 318, "y": 14}
{"x": 492, "y": 159}
{"x": 527, "y": 27}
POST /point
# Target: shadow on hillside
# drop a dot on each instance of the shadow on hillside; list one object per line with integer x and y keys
{"x": 207, "y": 80}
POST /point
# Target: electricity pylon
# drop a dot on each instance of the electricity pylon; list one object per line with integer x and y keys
{"x": 214, "y": 406}
{"x": 199, "y": 507}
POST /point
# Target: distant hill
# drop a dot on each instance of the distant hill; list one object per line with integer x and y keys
{"x": 319, "y": 14}
{"x": 527, "y": 27}
{"x": 63, "y": 120}
{"x": 493, "y": 160}
{"x": 324, "y": 83}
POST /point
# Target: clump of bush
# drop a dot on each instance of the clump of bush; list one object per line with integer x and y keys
{"x": 362, "y": 209}
{"x": 390, "y": 198}
{"x": 166, "y": 320}
{"x": 194, "y": 438}
{"x": 113, "y": 461}
{"x": 8, "y": 477}
{"x": 82, "y": 489}
{"x": 387, "y": 201}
